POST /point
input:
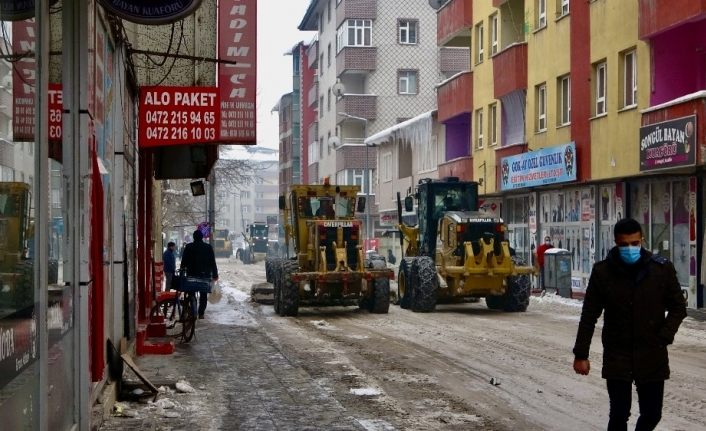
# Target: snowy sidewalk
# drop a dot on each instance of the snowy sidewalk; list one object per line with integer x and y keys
{"x": 241, "y": 381}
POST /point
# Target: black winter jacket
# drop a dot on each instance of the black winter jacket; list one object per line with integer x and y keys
{"x": 199, "y": 261}
{"x": 635, "y": 330}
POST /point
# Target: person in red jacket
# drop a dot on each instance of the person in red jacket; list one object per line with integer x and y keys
{"x": 539, "y": 258}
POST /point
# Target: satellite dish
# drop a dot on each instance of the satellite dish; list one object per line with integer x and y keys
{"x": 334, "y": 141}
{"x": 338, "y": 89}
{"x": 436, "y": 4}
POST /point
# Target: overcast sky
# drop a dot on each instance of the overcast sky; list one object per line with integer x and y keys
{"x": 277, "y": 23}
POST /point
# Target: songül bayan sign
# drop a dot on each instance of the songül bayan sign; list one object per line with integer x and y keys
{"x": 669, "y": 144}
{"x": 537, "y": 168}
{"x": 151, "y": 12}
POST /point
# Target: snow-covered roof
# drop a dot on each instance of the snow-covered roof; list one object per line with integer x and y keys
{"x": 412, "y": 130}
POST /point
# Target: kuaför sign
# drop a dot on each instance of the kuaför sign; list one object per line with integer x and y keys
{"x": 179, "y": 115}
{"x": 151, "y": 11}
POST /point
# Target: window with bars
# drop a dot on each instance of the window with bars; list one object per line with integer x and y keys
{"x": 407, "y": 31}
{"x": 629, "y": 78}
{"x": 601, "y": 85}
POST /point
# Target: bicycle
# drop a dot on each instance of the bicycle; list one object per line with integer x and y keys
{"x": 180, "y": 305}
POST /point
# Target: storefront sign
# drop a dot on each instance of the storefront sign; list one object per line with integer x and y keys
{"x": 237, "y": 41}
{"x": 151, "y": 12}
{"x": 56, "y": 106}
{"x": 18, "y": 344}
{"x": 178, "y": 115}
{"x": 13, "y": 10}
{"x": 545, "y": 166}
{"x": 23, "y": 78}
{"x": 388, "y": 219}
{"x": 669, "y": 144}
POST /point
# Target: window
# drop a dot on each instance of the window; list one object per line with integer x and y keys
{"x": 407, "y": 32}
{"x": 564, "y": 86}
{"x": 245, "y": 195}
{"x": 329, "y": 6}
{"x": 600, "y": 72}
{"x": 479, "y": 128}
{"x": 313, "y": 152}
{"x": 321, "y": 147}
{"x": 245, "y": 209}
{"x": 328, "y": 100}
{"x": 407, "y": 82}
{"x": 479, "y": 42}
{"x": 321, "y": 64}
{"x": 541, "y": 104}
{"x": 541, "y": 13}
{"x": 493, "y": 124}
{"x": 355, "y": 32}
{"x": 386, "y": 166}
{"x": 328, "y": 52}
{"x": 629, "y": 78}
{"x": 328, "y": 142}
{"x": 259, "y": 195}
{"x": 321, "y": 106}
{"x": 494, "y": 34}
{"x": 563, "y": 7}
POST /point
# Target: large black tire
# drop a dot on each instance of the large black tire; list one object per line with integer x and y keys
{"x": 426, "y": 284}
{"x": 289, "y": 292}
{"x": 188, "y": 319}
{"x": 518, "y": 290}
{"x": 269, "y": 272}
{"x": 405, "y": 283}
{"x": 277, "y": 284}
{"x": 381, "y": 298}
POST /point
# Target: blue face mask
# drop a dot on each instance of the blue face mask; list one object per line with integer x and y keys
{"x": 630, "y": 253}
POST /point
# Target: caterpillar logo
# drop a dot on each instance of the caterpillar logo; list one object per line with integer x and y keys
{"x": 338, "y": 224}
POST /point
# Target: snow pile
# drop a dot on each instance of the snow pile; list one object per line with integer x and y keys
{"x": 365, "y": 392}
{"x": 551, "y": 300}
{"x": 184, "y": 386}
{"x": 232, "y": 311}
{"x": 322, "y": 324}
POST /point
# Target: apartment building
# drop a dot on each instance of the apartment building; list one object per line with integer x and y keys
{"x": 582, "y": 113}
{"x": 377, "y": 66}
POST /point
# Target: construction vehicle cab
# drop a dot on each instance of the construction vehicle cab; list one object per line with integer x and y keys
{"x": 16, "y": 232}
{"x": 256, "y": 243}
{"x": 325, "y": 264}
{"x": 457, "y": 253}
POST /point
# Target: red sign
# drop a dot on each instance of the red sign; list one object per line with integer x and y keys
{"x": 23, "y": 80}
{"x": 237, "y": 42}
{"x": 56, "y": 106}
{"x": 178, "y": 115}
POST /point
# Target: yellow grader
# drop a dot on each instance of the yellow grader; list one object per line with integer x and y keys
{"x": 328, "y": 266}
{"x": 456, "y": 253}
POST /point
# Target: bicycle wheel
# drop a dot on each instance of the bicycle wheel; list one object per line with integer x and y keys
{"x": 188, "y": 318}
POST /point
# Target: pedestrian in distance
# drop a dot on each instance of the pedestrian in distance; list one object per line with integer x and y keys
{"x": 391, "y": 257}
{"x": 633, "y": 288}
{"x": 199, "y": 261}
{"x": 169, "y": 260}
{"x": 539, "y": 259}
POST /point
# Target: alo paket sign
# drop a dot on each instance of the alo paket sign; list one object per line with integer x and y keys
{"x": 151, "y": 11}
{"x": 669, "y": 144}
{"x": 546, "y": 166}
{"x": 178, "y": 115}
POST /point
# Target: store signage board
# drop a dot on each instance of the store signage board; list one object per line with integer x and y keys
{"x": 551, "y": 165}
{"x": 151, "y": 12}
{"x": 178, "y": 116}
{"x": 237, "y": 44}
{"x": 669, "y": 144}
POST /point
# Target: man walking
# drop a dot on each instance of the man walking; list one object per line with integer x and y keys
{"x": 539, "y": 258}
{"x": 169, "y": 260}
{"x": 199, "y": 261}
{"x": 635, "y": 288}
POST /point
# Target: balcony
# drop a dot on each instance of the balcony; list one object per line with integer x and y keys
{"x": 693, "y": 104}
{"x": 461, "y": 167}
{"x": 356, "y": 59}
{"x": 455, "y": 96}
{"x": 454, "y": 22}
{"x": 454, "y": 60}
{"x": 656, "y": 16}
{"x": 510, "y": 70}
{"x": 312, "y": 55}
{"x": 358, "y": 105}
{"x": 313, "y": 96}
{"x": 356, "y": 9}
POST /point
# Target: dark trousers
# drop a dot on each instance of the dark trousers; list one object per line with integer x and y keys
{"x": 203, "y": 300}
{"x": 649, "y": 396}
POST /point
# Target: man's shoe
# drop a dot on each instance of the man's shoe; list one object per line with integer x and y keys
{"x": 201, "y": 316}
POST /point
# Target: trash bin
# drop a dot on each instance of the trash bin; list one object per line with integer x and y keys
{"x": 557, "y": 271}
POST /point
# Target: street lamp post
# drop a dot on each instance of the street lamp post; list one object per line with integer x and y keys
{"x": 366, "y": 171}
